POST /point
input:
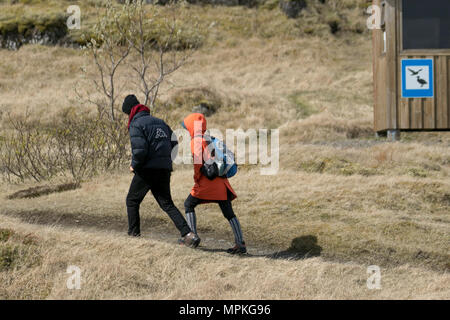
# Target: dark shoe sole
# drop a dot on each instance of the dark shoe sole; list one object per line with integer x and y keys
{"x": 196, "y": 243}
{"x": 134, "y": 235}
{"x": 240, "y": 251}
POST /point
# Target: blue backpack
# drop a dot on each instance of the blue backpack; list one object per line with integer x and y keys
{"x": 222, "y": 156}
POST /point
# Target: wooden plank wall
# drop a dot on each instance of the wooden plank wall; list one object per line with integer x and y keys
{"x": 428, "y": 113}
{"x": 443, "y": 92}
{"x": 384, "y": 68}
{"x": 392, "y": 63}
{"x": 379, "y": 78}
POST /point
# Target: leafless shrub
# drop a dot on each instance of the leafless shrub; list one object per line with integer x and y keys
{"x": 77, "y": 143}
{"x": 81, "y": 145}
{"x": 114, "y": 142}
{"x": 151, "y": 42}
{"x": 26, "y": 151}
{"x": 73, "y": 144}
{"x": 108, "y": 50}
{"x": 161, "y": 43}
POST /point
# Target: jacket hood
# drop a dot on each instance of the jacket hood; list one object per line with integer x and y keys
{"x": 195, "y": 123}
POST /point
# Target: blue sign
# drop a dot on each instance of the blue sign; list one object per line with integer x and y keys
{"x": 417, "y": 78}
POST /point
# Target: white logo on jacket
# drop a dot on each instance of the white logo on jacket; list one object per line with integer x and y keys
{"x": 160, "y": 133}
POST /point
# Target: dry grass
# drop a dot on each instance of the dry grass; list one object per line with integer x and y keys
{"x": 340, "y": 192}
{"x": 154, "y": 270}
{"x": 400, "y": 224}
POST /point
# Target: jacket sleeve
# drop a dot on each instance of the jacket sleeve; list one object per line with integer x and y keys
{"x": 139, "y": 147}
{"x": 197, "y": 172}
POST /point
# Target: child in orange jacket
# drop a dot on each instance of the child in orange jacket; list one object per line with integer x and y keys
{"x": 217, "y": 190}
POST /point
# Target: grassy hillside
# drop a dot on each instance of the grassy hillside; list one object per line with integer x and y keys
{"x": 342, "y": 200}
{"x": 265, "y": 20}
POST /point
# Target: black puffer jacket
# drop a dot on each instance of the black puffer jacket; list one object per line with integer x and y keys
{"x": 151, "y": 143}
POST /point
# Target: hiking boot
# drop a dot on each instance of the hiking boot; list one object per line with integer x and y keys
{"x": 133, "y": 234}
{"x": 238, "y": 249}
{"x": 190, "y": 240}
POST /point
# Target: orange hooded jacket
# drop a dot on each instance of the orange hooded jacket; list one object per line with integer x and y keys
{"x": 204, "y": 188}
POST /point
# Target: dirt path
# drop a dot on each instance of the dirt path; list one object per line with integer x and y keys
{"x": 212, "y": 241}
{"x": 152, "y": 228}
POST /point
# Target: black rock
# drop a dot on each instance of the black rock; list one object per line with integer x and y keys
{"x": 292, "y": 8}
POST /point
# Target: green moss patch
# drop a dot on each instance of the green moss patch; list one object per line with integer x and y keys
{"x": 17, "y": 250}
{"x": 5, "y": 234}
{"x": 336, "y": 166}
{"x": 302, "y": 107}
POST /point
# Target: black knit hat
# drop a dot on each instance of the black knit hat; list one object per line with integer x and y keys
{"x": 129, "y": 102}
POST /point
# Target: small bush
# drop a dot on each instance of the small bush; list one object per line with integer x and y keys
{"x": 417, "y": 172}
{"x": 5, "y": 234}
{"x": 17, "y": 251}
{"x": 190, "y": 97}
{"x": 73, "y": 143}
{"x": 8, "y": 256}
{"x": 303, "y": 109}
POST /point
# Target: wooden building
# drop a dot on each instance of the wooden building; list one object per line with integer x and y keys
{"x": 411, "y": 66}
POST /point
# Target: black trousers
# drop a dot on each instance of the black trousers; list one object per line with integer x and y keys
{"x": 158, "y": 182}
{"x": 225, "y": 205}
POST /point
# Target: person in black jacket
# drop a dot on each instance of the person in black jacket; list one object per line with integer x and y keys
{"x": 151, "y": 146}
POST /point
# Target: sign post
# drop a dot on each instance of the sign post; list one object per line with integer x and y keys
{"x": 417, "y": 78}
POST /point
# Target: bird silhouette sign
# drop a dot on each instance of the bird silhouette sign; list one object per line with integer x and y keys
{"x": 421, "y": 81}
{"x": 417, "y": 78}
{"x": 414, "y": 73}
